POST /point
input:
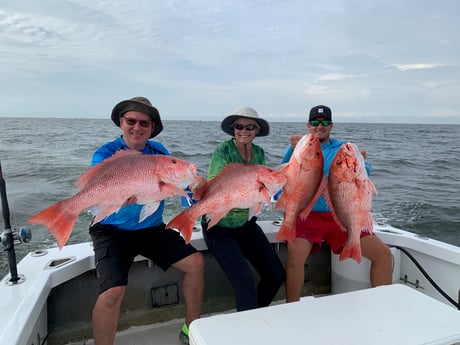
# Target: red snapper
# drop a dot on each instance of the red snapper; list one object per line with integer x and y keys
{"x": 350, "y": 193}
{"x": 305, "y": 183}
{"x": 109, "y": 184}
{"x": 236, "y": 186}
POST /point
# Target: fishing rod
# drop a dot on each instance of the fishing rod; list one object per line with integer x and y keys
{"x": 8, "y": 237}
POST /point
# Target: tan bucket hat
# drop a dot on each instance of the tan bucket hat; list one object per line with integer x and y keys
{"x": 249, "y": 113}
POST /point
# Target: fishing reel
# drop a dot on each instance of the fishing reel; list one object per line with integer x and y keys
{"x": 23, "y": 235}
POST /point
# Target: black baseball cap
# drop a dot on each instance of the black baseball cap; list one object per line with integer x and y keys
{"x": 320, "y": 111}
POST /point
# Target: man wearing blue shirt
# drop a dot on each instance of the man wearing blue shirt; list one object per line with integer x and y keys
{"x": 120, "y": 237}
{"x": 320, "y": 226}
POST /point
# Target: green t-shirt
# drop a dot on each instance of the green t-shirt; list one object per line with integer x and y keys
{"x": 226, "y": 152}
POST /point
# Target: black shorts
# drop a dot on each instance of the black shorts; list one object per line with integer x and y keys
{"x": 115, "y": 250}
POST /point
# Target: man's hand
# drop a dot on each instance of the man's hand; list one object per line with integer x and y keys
{"x": 130, "y": 200}
{"x": 295, "y": 139}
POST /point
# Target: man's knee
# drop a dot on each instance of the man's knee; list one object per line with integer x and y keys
{"x": 194, "y": 263}
{"x": 298, "y": 252}
{"x": 198, "y": 260}
{"x": 112, "y": 296}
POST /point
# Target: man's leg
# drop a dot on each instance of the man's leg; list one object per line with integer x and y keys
{"x": 295, "y": 273}
{"x": 381, "y": 260}
{"x": 106, "y": 313}
{"x": 192, "y": 284}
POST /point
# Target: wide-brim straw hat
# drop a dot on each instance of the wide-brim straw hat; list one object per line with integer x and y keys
{"x": 249, "y": 113}
{"x": 142, "y": 105}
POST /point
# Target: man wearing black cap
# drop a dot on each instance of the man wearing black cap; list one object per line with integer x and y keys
{"x": 320, "y": 226}
{"x": 120, "y": 237}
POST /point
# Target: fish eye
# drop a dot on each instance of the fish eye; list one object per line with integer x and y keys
{"x": 174, "y": 161}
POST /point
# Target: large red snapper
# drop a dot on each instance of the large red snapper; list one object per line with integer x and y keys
{"x": 305, "y": 183}
{"x": 109, "y": 184}
{"x": 236, "y": 186}
{"x": 350, "y": 193}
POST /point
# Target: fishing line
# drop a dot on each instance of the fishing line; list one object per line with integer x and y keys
{"x": 427, "y": 276}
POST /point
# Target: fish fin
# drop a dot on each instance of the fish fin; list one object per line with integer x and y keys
{"x": 200, "y": 190}
{"x": 285, "y": 234}
{"x": 353, "y": 252}
{"x": 197, "y": 185}
{"x": 87, "y": 175}
{"x": 102, "y": 212}
{"x": 95, "y": 170}
{"x": 171, "y": 190}
{"x": 365, "y": 185}
{"x": 304, "y": 214}
{"x": 337, "y": 220}
{"x": 298, "y": 146}
{"x": 214, "y": 217}
{"x": 283, "y": 168}
{"x": 254, "y": 211}
{"x": 58, "y": 220}
{"x": 265, "y": 196}
{"x": 147, "y": 210}
{"x": 329, "y": 204}
{"x": 372, "y": 188}
{"x": 184, "y": 222}
{"x": 281, "y": 202}
{"x": 367, "y": 224}
{"x": 322, "y": 190}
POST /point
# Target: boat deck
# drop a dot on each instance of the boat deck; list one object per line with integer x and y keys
{"x": 417, "y": 319}
{"x": 161, "y": 333}
{"x": 166, "y": 333}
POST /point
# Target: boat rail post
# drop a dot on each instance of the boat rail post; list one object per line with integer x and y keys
{"x": 8, "y": 233}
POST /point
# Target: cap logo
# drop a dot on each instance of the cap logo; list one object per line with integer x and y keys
{"x": 320, "y": 110}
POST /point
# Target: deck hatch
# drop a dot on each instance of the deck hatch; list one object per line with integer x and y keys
{"x": 59, "y": 262}
{"x": 165, "y": 295}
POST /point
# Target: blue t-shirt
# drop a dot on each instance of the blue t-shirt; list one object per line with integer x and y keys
{"x": 127, "y": 218}
{"x": 329, "y": 150}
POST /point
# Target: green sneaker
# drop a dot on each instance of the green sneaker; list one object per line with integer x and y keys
{"x": 183, "y": 335}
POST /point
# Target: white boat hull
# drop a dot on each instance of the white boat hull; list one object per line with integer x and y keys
{"x": 53, "y": 304}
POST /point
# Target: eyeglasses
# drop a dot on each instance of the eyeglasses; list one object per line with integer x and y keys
{"x": 240, "y": 127}
{"x": 131, "y": 122}
{"x": 315, "y": 123}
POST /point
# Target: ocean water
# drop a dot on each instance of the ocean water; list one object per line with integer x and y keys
{"x": 416, "y": 169}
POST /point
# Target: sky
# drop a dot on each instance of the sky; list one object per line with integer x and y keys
{"x": 371, "y": 61}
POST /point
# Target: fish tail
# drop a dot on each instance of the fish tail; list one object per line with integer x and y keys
{"x": 183, "y": 222}
{"x": 353, "y": 252}
{"x": 285, "y": 233}
{"x": 58, "y": 220}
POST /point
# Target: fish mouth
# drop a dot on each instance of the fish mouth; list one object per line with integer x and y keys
{"x": 192, "y": 169}
{"x": 274, "y": 187}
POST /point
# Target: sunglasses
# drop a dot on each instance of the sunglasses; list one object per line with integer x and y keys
{"x": 131, "y": 122}
{"x": 240, "y": 127}
{"x": 315, "y": 123}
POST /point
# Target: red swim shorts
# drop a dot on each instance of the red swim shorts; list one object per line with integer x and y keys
{"x": 319, "y": 227}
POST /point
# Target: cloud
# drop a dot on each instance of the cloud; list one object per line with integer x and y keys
{"x": 415, "y": 66}
{"x": 279, "y": 55}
